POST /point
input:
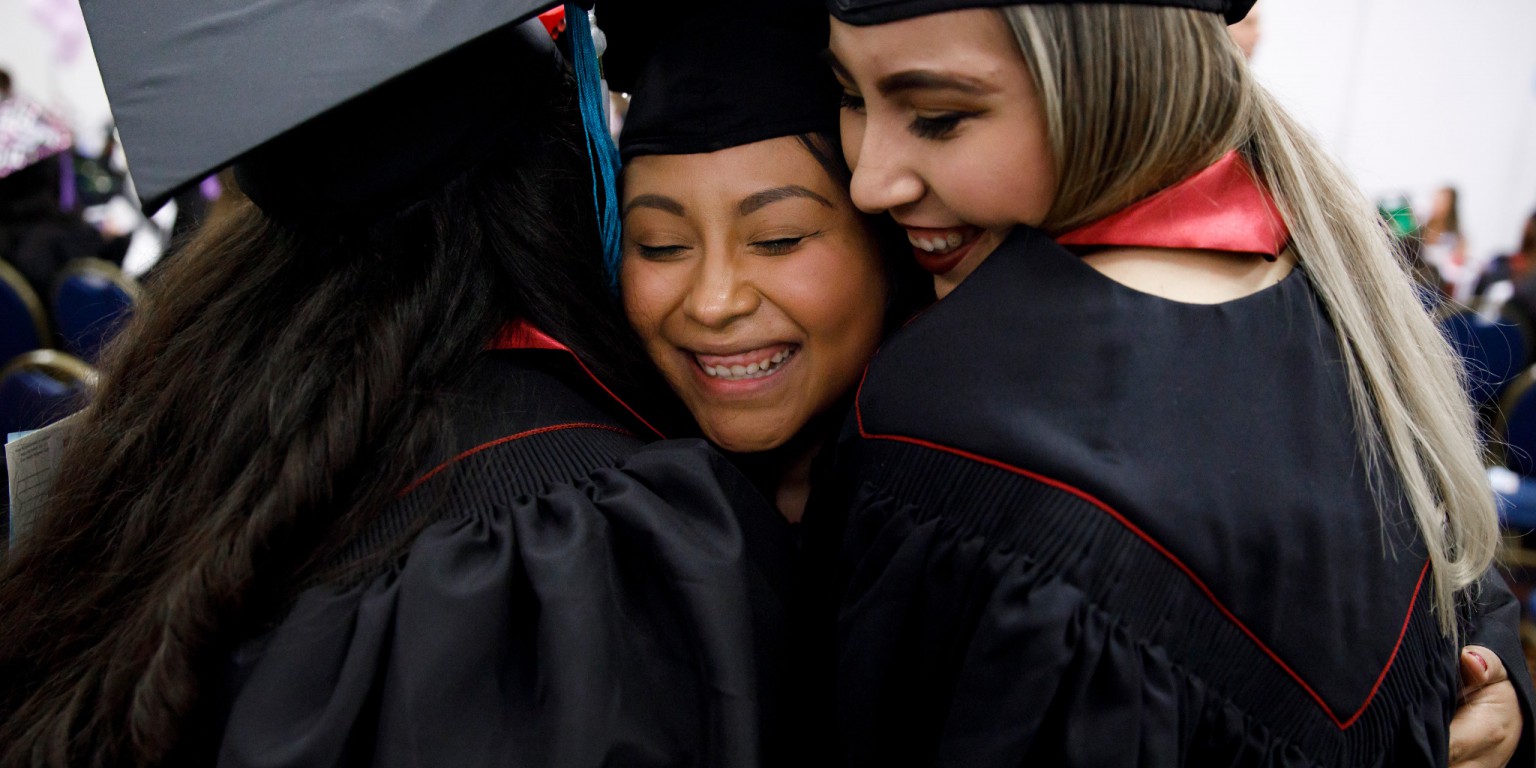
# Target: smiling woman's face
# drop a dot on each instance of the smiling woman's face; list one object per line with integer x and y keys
{"x": 755, "y": 284}
{"x": 946, "y": 132}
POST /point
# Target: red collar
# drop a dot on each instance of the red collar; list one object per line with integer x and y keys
{"x": 521, "y": 334}
{"x": 1221, "y": 208}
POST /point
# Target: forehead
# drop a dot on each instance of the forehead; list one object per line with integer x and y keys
{"x": 977, "y": 42}
{"x": 730, "y": 174}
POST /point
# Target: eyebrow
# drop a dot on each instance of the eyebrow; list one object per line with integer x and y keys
{"x": 914, "y": 79}
{"x": 659, "y": 202}
{"x": 928, "y": 80}
{"x": 758, "y": 200}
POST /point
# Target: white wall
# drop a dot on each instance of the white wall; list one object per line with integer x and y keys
{"x": 44, "y": 46}
{"x": 1416, "y": 94}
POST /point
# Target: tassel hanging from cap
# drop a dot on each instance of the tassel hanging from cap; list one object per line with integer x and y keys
{"x": 600, "y": 149}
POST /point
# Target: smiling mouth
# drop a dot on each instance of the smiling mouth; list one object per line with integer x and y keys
{"x": 940, "y": 250}
{"x": 757, "y": 364}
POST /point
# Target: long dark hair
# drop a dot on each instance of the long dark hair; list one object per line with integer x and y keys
{"x": 275, "y": 390}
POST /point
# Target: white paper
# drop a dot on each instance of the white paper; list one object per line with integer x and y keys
{"x": 32, "y": 461}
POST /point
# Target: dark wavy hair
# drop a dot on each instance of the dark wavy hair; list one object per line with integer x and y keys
{"x": 273, "y": 393}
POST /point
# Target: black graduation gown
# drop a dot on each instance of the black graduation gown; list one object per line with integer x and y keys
{"x": 1121, "y": 530}
{"x": 575, "y": 598}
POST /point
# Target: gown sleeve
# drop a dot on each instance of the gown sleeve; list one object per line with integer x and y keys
{"x": 1495, "y": 624}
{"x": 625, "y": 619}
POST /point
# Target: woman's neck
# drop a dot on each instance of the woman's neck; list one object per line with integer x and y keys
{"x": 784, "y": 473}
{"x": 794, "y": 487}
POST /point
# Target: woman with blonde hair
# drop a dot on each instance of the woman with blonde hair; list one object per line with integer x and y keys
{"x": 1178, "y": 471}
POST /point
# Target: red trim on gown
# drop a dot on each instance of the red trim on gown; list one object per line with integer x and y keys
{"x": 521, "y": 334}
{"x": 1222, "y": 208}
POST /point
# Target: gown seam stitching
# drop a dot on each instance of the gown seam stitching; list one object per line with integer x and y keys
{"x": 418, "y": 482}
{"x": 1342, "y": 725}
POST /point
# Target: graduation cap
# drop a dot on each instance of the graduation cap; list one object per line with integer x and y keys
{"x": 865, "y": 12}
{"x": 410, "y": 91}
{"x": 712, "y": 75}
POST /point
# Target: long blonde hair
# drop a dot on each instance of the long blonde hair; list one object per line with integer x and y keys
{"x": 1137, "y": 98}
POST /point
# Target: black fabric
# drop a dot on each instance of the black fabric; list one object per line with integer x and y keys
{"x": 866, "y": 12}
{"x": 1126, "y": 530}
{"x": 399, "y": 143}
{"x": 720, "y": 77}
{"x": 574, "y": 599}
{"x": 40, "y": 248}
{"x": 195, "y": 85}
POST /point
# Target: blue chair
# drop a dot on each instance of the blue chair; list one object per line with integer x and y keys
{"x": 91, "y": 301}
{"x": 40, "y": 387}
{"x": 1515, "y": 437}
{"x": 1494, "y": 353}
{"x": 23, "y": 325}
{"x": 1516, "y": 426}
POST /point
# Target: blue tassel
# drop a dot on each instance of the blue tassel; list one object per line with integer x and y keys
{"x": 600, "y": 149}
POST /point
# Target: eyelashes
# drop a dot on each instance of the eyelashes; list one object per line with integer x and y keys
{"x": 938, "y": 126}
{"x": 933, "y": 128}
{"x": 778, "y": 246}
{"x": 658, "y": 252}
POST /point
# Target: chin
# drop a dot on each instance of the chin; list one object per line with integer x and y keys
{"x": 736, "y": 440}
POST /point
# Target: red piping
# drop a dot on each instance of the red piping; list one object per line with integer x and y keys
{"x": 521, "y": 334}
{"x": 1190, "y": 574}
{"x": 500, "y": 441}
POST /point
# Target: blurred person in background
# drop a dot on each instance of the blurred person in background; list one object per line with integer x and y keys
{"x": 1444, "y": 246}
{"x": 37, "y": 235}
{"x": 1508, "y": 286}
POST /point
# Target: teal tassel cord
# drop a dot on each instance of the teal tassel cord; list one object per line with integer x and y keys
{"x": 600, "y": 149}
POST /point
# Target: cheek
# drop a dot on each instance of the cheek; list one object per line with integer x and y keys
{"x": 1014, "y": 183}
{"x": 839, "y": 301}
{"x": 648, "y": 294}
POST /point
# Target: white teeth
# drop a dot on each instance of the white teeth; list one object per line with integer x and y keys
{"x": 756, "y": 370}
{"x": 939, "y": 244}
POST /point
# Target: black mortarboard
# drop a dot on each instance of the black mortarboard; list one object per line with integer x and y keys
{"x": 715, "y": 75}
{"x": 865, "y": 12}
{"x": 197, "y": 85}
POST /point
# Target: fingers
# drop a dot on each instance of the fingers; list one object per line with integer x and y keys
{"x": 1480, "y": 667}
{"x": 1486, "y": 728}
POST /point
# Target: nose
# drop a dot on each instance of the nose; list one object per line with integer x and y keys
{"x": 721, "y": 292}
{"x": 883, "y": 179}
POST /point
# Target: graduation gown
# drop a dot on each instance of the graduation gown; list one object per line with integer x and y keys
{"x": 552, "y": 592}
{"x": 1123, "y": 530}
